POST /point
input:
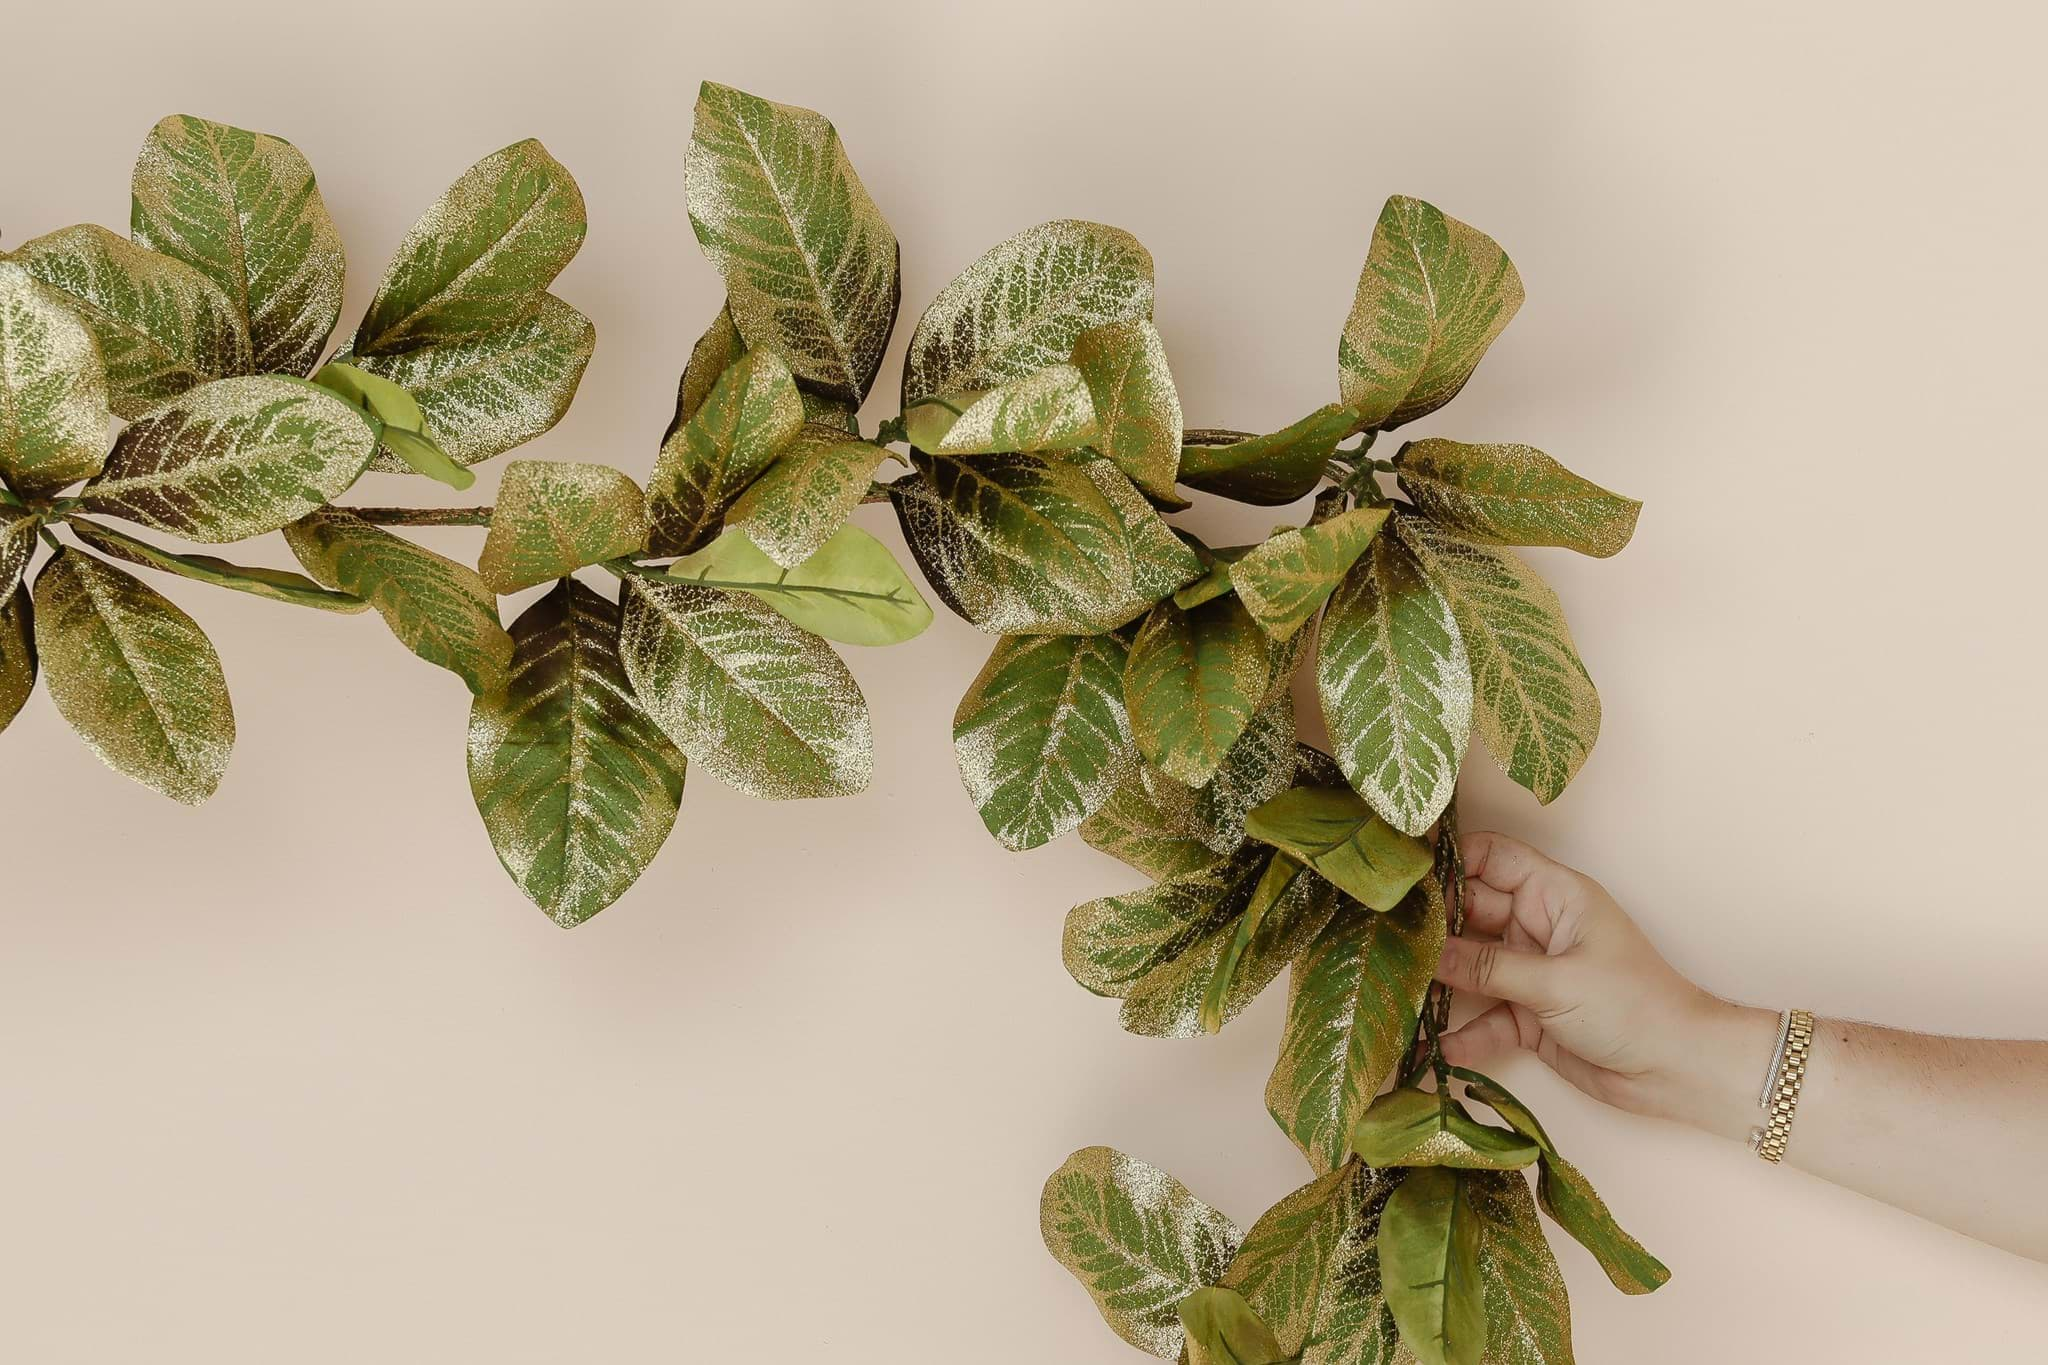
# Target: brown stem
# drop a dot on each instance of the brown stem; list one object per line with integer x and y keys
{"x": 422, "y": 516}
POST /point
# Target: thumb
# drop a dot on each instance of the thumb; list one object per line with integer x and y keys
{"x": 1504, "y": 973}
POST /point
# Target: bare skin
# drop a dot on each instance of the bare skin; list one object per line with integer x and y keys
{"x": 1571, "y": 978}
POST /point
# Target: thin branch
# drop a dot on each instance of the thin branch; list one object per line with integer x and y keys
{"x": 422, "y": 516}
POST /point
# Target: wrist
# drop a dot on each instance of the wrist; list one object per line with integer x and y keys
{"x": 1728, "y": 1050}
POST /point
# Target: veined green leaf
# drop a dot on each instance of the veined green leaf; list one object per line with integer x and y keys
{"x": 1138, "y": 1242}
{"x": 1161, "y": 562}
{"x": 279, "y": 585}
{"x": 1137, "y": 408}
{"x": 1351, "y": 1010}
{"x": 1195, "y": 679}
{"x": 810, "y": 265}
{"x": 1310, "y": 1269}
{"x": 489, "y": 393}
{"x": 1279, "y": 878}
{"x": 1433, "y": 296}
{"x": 1533, "y": 701}
{"x": 438, "y": 609}
{"x": 233, "y": 459}
{"x": 1429, "y": 1242}
{"x": 18, "y": 530}
{"x": 1515, "y": 495}
{"x": 1430, "y": 1128}
{"x": 1284, "y": 582}
{"x": 552, "y": 517}
{"x": 481, "y": 258}
{"x": 1569, "y": 1198}
{"x": 1260, "y": 765}
{"x": 851, "y": 590}
{"x": 134, "y": 676}
{"x": 806, "y": 494}
{"x": 1222, "y": 1329}
{"x": 17, "y": 654}
{"x": 750, "y": 415}
{"x": 576, "y": 785}
{"x": 1335, "y": 832}
{"x": 1041, "y": 737}
{"x": 1266, "y": 470}
{"x": 1396, "y": 686}
{"x": 763, "y": 706}
{"x": 1528, "y": 1317}
{"x": 1049, "y": 409}
{"x": 1153, "y": 823}
{"x": 1023, "y": 305}
{"x": 162, "y": 327}
{"x": 711, "y": 356}
{"x": 53, "y": 389}
{"x": 243, "y": 210}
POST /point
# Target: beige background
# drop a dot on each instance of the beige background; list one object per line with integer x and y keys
{"x": 300, "y": 1077}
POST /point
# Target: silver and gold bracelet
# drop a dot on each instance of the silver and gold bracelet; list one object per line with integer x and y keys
{"x": 1782, "y": 1083}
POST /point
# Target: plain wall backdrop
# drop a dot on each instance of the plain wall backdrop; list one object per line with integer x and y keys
{"x": 299, "y": 1076}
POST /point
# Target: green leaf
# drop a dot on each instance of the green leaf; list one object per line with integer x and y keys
{"x": 1158, "y": 949}
{"x": 750, "y": 415}
{"x": 233, "y": 459}
{"x": 1351, "y": 1010}
{"x": 1260, "y": 765}
{"x": 1533, "y": 701}
{"x": 1023, "y": 305}
{"x": 1335, "y": 832}
{"x": 1430, "y": 1128}
{"x": 438, "y": 609}
{"x": 851, "y": 590}
{"x": 806, "y": 494}
{"x": 1310, "y": 1269}
{"x": 1528, "y": 1317}
{"x": 17, "y": 654}
{"x": 1432, "y": 297}
{"x": 18, "y": 531}
{"x": 1266, "y": 470}
{"x": 576, "y": 785}
{"x": 1153, "y": 823}
{"x": 763, "y": 706}
{"x": 1194, "y": 681}
{"x": 1222, "y": 1329}
{"x": 1137, "y": 408}
{"x": 1284, "y": 582}
{"x": 397, "y": 419}
{"x": 487, "y": 394}
{"x": 552, "y": 517}
{"x": 1515, "y": 495}
{"x": 162, "y": 327}
{"x": 1429, "y": 1262}
{"x": 481, "y": 258}
{"x": 134, "y": 676}
{"x": 1138, "y": 1242}
{"x": 810, "y": 265}
{"x": 243, "y": 210}
{"x": 711, "y": 356}
{"x": 1041, "y": 737}
{"x": 1396, "y": 686}
{"x": 1569, "y": 1198}
{"x": 279, "y": 585}
{"x": 1049, "y": 409}
{"x": 53, "y": 389}
{"x": 1280, "y": 876}
{"x": 1161, "y": 562}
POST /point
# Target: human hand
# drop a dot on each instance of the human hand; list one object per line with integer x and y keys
{"x": 1568, "y": 975}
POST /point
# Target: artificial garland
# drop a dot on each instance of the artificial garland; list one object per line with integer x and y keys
{"x": 1140, "y": 690}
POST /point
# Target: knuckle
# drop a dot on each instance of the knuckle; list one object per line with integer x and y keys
{"x": 1485, "y": 960}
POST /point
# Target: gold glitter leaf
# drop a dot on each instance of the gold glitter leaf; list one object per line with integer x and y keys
{"x": 577, "y": 787}
{"x": 1396, "y": 686}
{"x": 1222, "y": 1329}
{"x": 810, "y": 265}
{"x": 806, "y": 494}
{"x": 1161, "y": 562}
{"x": 1023, "y": 305}
{"x": 764, "y": 706}
{"x": 1335, "y": 832}
{"x": 1266, "y": 470}
{"x": 1515, "y": 495}
{"x": 1533, "y": 701}
{"x": 1041, "y": 737}
{"x": 1429, "y": 1128}
{"x": 18, "y": 528}
{"x": 243, "y": 210}
{"x": 553, "y": 517}
{"x": 162, "y": 327}
{"x": 1137, "y": 408}
{"x": 1432, "y": 297}
{"x": 1194, "y": 681}
{"x": 53, "y": 389}
{"x": 438, "y": 609}
{"x": 1049, "y": 409}
{"x": 233, "y": 459}
{"x": 1430, "y": 1234}
{"x": 1351, "y": 1009}
{"x": 851, "y": 589}
{"x": 1308, "y": 1268}
{"x": 711, "y": 357}
{"x": 1528, "y": 1317}
{"x": 1262, "y": 764}
{"x": 750, "y": 415}
{"x": 17, "y": 654}
{"x": 1285, "y": 581}
{"x": 134, "y": 676}
{"x": 480, "y": 259}
{"x": 279, "y": 585}
{"x": 1152, "y": 823}
{"x": 1137, "y": 1241}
